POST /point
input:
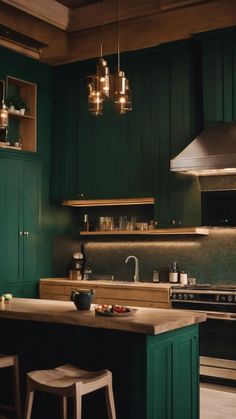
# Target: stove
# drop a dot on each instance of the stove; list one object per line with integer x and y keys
{"x": 207, "y": 297}
{"x": 218, "y": 333}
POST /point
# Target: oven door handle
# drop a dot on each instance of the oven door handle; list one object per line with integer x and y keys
{"x": 221, "y": 316}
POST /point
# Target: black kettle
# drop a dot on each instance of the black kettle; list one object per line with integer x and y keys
{"x": 82, "y": 298}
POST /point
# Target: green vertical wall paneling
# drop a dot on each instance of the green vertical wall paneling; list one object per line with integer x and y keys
{"x": 228, "y": 81}
{"x": 212, "y": 82}
{"x": 219, "y": 93}
{"x": 234, "y": 78}
{"x": 116, "y": 158}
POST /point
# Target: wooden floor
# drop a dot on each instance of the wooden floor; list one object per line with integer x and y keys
{"x": 217, "y": 402}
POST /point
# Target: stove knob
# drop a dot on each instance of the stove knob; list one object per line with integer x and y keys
{"x": 217, "y": 298}
{"x": 191, "y": 296}
{"x": 174, "y": 296}
{"x": 185, "y": 296}
{"x": 180, "y": 296}
{"x": 223, "y": 298}
{"x": 230, "y": 298}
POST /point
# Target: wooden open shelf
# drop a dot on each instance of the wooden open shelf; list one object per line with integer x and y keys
{"x": 108, "y": 202}
{"x": 22, "y": 128}
{"x": 157, "y": 232}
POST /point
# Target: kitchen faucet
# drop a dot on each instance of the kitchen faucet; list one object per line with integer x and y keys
{"x": 136, "y": 270}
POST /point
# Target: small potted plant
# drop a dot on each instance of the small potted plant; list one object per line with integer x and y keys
{"x": 21, "y": 105}
{"x": 11, "y": 103}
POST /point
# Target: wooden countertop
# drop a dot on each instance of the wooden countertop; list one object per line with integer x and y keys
{"x": 108, "y": 283}
{"x": 144, "y": 320}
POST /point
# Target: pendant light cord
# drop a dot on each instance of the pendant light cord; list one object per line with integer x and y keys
{"x": 102, "y": 26}
{"x": 118, "y": 35}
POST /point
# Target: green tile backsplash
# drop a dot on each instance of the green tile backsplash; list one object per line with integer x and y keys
{"x": 211, "y": 259}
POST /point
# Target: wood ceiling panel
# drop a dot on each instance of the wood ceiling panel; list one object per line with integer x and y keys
{"x": 73, "y": 4}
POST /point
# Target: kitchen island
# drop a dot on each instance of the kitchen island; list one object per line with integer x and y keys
{"x": 153, "y": 354}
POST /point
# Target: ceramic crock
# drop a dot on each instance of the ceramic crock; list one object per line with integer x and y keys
{"x": 82, "y": 298}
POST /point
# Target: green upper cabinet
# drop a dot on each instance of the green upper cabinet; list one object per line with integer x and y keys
{"x": 128, "y": 156}
{"x": 19, "y": 218}
{"x": 110, "y": 156}
{"x": 178, "y": 195}
{"x": 219, "y": 76}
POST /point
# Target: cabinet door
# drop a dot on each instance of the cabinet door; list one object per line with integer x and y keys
{"x": 185, "y": 361}
{"x": 102, "y": 157}
{"x": 219, "y": 66}
{"x": 173, "y": 375}
{"x": 19, "y": 218}
{"x": 178, "y": 197}
{"x": 31, "y": 195}
{"x": 2, "y": 222}
{"x": 13, "y": 230}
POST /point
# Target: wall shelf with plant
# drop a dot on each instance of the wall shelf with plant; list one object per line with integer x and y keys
{"x": 21, "y": 102}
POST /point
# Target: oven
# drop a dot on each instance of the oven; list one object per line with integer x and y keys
{"x": 218, "y": 333}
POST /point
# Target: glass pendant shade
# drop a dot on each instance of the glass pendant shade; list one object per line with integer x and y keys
{"x": 123, "y": 99}
{"x": 103, "y": 75}
{"x": 104, "y": 85}
{"x": 3, "y": 116}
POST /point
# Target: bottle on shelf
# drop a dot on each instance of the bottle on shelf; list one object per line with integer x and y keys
{"x": 155, "y": 276}
{"x": 86, "y": 223}
{"x": 173, "y": 274}
{"x": 183, "y": 278}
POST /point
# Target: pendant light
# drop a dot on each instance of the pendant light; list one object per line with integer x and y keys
{"x": 122, "y": 93}
{"x": 103, "y": 85}
{"x": 99, "y": 84}
{"x": 3, "y": 110}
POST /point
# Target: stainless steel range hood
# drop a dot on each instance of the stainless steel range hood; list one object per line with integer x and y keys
{"x": 213, "y": 152}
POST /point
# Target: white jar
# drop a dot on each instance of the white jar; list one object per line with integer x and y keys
{"x": 183, "y": 278}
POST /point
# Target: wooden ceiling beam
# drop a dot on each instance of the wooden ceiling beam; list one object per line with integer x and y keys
{"x": 159, "y": 28}
{"x": 49, "y": 11}
{"x": 56, "y": 39}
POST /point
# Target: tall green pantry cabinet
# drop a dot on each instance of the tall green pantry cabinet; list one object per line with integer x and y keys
{"x": 19, "y": 223}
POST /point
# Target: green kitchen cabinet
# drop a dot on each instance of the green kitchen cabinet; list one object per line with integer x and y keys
{"x": 218, "y": 74}
{"x": 111, "y": 156}
{"x": 178, "y": 196}
{"x": 172, "y": 375}
{"x": 154, "y": 376}
{"x": 19, "y": 220}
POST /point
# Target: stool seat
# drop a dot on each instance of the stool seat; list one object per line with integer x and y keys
{"x": 12, "y": 361}
{"x": 69, "y": 381}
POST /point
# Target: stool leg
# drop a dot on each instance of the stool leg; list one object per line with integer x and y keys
{"x": 77, "y": 402}
{"x": 29, "y": 403}
{"x": 16, "y": 387}
{"x": 64, "y": 407}
{"x": 110, "y": 398}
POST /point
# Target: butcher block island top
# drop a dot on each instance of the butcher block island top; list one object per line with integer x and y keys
{"x": 143, "y": 320}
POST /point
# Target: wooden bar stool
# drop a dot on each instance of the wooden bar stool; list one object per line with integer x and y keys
{"x": 12, "y": 361}
{"x": 69, "y": 381}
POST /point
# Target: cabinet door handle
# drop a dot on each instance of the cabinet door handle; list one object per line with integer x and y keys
{"x": 25, "y": 233}
{"x": 173, "y": 222}
{"x": 20, "y": 233}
